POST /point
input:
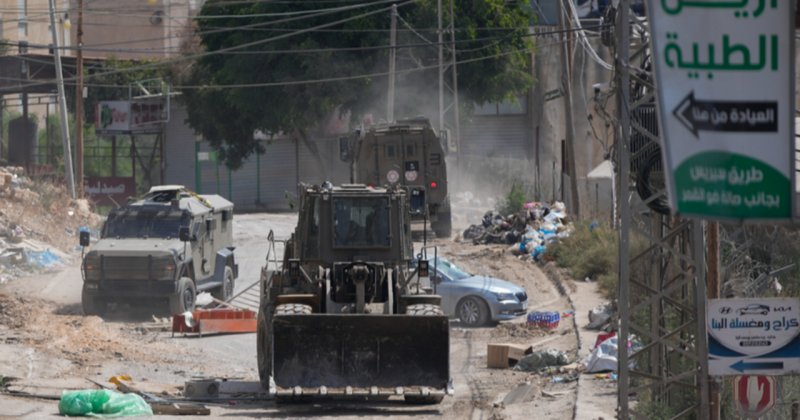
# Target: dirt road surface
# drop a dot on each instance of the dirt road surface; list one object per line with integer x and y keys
{"x": 47, "y": 345}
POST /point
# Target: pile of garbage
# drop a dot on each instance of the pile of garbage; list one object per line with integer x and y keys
{"x": 38, "y": 224}
{"x": 529, "y": 231}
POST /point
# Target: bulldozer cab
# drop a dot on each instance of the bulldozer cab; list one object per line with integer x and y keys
{"x": 353, "y": 222}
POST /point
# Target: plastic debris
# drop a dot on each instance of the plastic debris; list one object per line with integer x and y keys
{"x": 529, "y": 231}
{"x": 102, "y": 403}
{"x": 599, "y": 316}
{"x": 542, "y": 359}
{"x": 42, "y": 259}
{"x": 548, "y": 320}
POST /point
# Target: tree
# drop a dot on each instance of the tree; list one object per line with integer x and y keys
{"x": 493, "y": 45}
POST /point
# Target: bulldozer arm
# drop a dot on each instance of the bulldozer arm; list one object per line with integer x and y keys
{"x": 360, "y": 355}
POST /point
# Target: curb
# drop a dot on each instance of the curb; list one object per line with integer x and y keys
{"x": 551, "y": 271}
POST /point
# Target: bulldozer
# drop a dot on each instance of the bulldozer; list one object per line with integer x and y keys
{"x": 350, "y": 313}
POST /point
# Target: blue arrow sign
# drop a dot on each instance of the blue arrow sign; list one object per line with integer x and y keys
{"x": 742, "y": 366}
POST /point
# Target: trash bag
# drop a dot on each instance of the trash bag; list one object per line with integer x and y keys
{"x": 599, "y": 316}
{"x": 102, "y": 403}
{"x": 542, "y": 359}
{"x": 603, "y": 357}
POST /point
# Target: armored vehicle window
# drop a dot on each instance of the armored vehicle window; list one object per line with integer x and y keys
{"x": 389, "y": 150}
{"x": 361, "y": 222}
{"x": 144, "y": 224}
{"x": 410, "y": 149}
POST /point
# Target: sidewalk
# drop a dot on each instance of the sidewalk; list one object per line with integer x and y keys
{"x": 597, "y": 398}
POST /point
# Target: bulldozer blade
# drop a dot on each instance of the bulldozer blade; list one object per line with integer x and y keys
{"x": 331, "y": 351}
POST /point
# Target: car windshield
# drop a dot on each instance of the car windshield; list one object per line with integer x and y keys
{"x": 450, "y": 270}
{"x": 144, "y": 224}
{"x": 361, "y": 222}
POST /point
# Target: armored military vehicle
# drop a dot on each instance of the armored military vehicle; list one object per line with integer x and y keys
{"x": 164, "y": 248}
{"x": 345, "y": 316}
{"x": 409, "y": 153}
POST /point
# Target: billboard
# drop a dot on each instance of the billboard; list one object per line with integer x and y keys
{"x": 130, "y": 117}
{"x": 109, "y": 190}
{"x": 726, "y": 106}
{"x": 753, "y": 336}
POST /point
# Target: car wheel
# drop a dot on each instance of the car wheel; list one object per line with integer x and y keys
{"x": 472, "y": 311}
{"x": 225, "y": 291}
{"x": 184, "y": 299}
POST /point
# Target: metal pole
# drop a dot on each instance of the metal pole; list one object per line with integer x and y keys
{"x": 62, "y": 103}
{"x": 79, "y": 103}
{"x": 441, "y": 65}
{"x": 712, "y": 282}
{"x": 456, "y": 117}
{"x": 701, "y": 342}
{"x": 623, "y": 142}
{"x": 392, "y": 57}
{"x": 258, "y": 177}
{"x": 197, "y": 175}
{"x": 566, "y": 75}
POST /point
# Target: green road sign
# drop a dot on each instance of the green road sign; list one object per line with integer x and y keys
{"x": 725, "y": 78}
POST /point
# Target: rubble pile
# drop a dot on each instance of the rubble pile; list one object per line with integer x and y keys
{"x": 529, "y": 231}
{"x": 38, "y": 224}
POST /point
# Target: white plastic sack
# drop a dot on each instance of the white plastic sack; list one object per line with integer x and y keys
{"x": 603, "y": 357}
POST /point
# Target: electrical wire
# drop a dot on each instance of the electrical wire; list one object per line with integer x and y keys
{"x": 582, "y": 37}
{"x": 317, "y": 81}
{"x": 495, "y": 40}
{"x": 234, "y": 47}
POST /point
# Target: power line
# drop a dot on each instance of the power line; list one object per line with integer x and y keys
{"x": 494, "y": 41}
{"x": 235, "y": 47}
{"x": 324, "y": 80}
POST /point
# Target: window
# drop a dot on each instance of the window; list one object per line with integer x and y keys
{"x": 410, "y": 150}
{"x": 389, "y": 150}
{"x": 312, "y": 242}
{"x": 361, "y": 222}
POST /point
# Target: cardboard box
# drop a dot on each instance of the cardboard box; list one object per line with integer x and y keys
{"x": 504, "y": 355}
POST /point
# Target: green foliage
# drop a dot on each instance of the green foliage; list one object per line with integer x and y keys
{"x": 513, "y": 201}
{"x": 589, "y": 253}
{"x": 652, "y": 410}
{"x": 112, "y": 80}
{"x": 228, "y": 117}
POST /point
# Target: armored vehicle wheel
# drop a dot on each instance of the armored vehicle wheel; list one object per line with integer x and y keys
{"x": 293, "y": 309}
{"x": 472, "y": 311}
{"x": 424, "y": 310}
{"x": 423, "y": 400}
{"x": 225, "y": 291}
{"x": 93, "y": 305}
{"x": 183, "y": 300}
{"x": 263, "y": 350}
{"x": 443, "y": 228}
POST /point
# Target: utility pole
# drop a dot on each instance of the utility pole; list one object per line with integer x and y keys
{"x": 623, "y": 144}
{"x": 79, "y": 103}
{"x": 712, "y": 283}
{"x": 456, "y": 117}
{"x": 441, "y": 64}
{"x": 392, "y": 56}
{"x": 62, "y": 103}
{"x": 570, "y": 129}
